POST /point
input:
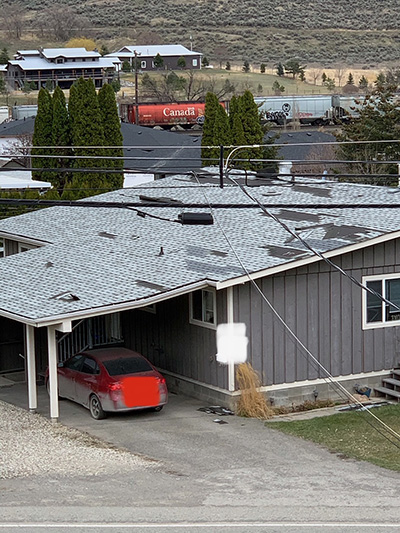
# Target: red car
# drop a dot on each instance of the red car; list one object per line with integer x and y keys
{"x": 111, "y": 379}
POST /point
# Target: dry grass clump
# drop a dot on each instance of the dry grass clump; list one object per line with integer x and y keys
{"x": 252, "y": 402}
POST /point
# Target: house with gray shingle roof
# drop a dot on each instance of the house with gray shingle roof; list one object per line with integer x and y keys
{"x": 123, "y": 268}
{"x": 62, "y": 66}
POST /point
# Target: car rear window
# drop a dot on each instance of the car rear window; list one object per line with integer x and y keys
{"x": 126, "y": 365}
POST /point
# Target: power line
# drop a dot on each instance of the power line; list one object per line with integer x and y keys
{"x": 335, "y": 383}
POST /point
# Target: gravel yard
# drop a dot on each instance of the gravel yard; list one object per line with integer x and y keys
{"x": 32, "y": 445}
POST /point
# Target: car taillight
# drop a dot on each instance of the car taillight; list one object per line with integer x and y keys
{"x": 115, "y": 386}
{"x": 115, "y": 391}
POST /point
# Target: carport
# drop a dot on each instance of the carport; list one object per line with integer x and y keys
{"x": 64, "y": 325}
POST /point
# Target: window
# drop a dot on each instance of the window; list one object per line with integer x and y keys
{"x": 203, "y": 308}
{"x": 90, "y": 366}
{"x": 194, "y": 62}
{"x": 127, "y": 365}
{"x": 24, "y": 247}
{"x": 74, "y": 363}
{"x": 377, "y": 313}
{"x": 143, "y": 64}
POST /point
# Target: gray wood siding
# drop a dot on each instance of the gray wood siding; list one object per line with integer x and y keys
{"x": 171, "y": 343}
{"x": 10, "y": 247}
{"x": 324, "y": 309}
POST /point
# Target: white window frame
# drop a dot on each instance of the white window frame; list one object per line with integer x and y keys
{"x": 383, "y": 323}
{"x": 203, "y": 323}
{"x": 22, "y": 247}
{"x": 151, "y": 308}
{"x": 143, "y": 64}
{"x": 194, "y": 63}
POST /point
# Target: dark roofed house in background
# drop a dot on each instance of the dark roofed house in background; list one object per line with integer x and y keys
{"x": 170, "y": 53}
{"x": 122, "y": 262}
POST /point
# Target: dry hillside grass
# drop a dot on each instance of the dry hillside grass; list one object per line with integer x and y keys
{"x": 322, "y": 31}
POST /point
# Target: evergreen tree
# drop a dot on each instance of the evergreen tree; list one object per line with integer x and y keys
{"x": 379, "y": 119}
{"x": 363, "y": 83}
{"x": 204, "y": 62}
{"x": 43, "y": 136}
{"x": 280, "y": 70}
{"x": 262, "y": 68}
{"x": 61, "y": 137}
{"x": 126, "y": 66}
{"x": 221, "y": 132}
{"x": 112, "y": 135}
{"x": 181, "y": 62}
{"x": 323, "y": 77}
{"x": 246, "y": 67}
{"x": 233, "y": 112}
{"x": 252, "y": 130}
{"x": 228, "y": 66}
{"x": 294, "y": 67}
{"x": 87, "y": 130}
{"x": 158, "y": 61}
{"x": 4, "y": 57}
{"x": 207, "y": 138}
{"x": 350, "y": 79}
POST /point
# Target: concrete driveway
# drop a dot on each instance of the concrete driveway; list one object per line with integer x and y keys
{"x": 207, "y": 473}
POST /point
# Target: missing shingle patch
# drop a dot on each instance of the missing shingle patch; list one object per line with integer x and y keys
{"x": 106, "y": 234}
{"x": 150, "y": 285}
{"x": 284, "y": 252}
{"x": 158, "y": 200}
{"x": 298, "y": 215}
{"x": 65, "y": 297}
{"x": 218, "y": 254}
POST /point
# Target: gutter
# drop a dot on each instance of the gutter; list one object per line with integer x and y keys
{"x": 108, "y": 309}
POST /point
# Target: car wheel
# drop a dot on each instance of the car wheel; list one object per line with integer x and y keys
{"x": 158, "y": 408}
{"x": 95, "y": 408}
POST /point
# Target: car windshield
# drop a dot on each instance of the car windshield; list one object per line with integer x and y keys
{"x": 126, "y": 365}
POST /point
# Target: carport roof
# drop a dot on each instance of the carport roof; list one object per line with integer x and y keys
{"x": 94, "y": 260}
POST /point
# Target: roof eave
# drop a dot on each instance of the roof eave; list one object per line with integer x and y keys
{"x": 108, "y": 309}
{"x": 307, "y": 260}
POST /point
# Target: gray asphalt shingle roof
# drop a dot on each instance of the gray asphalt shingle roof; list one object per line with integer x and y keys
{"x": 108, "y": 256}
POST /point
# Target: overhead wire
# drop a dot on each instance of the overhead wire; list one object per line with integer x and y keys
{"x": 343, "y": 392}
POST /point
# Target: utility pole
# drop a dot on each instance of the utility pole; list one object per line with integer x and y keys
{"x": 136, "y": 91}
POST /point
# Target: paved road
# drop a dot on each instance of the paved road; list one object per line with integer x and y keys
{"x": 239, "y": 476}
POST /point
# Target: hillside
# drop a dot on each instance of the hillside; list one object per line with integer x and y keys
{"x": 319, "y": 31}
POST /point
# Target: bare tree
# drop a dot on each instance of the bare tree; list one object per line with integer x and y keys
{"x": 316, "y": 153}
{"x": 339, "y": 73}
{"x": 315, "y": 74}
{"x": 19, "y": 150}
{"x": 221, "y": 54}
{"x": 60, "y": 23}
{"x": 13, "y": 16}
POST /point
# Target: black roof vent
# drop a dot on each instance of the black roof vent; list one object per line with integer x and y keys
{"x": 204, "y": 219}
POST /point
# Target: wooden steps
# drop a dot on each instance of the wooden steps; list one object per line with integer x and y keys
{"x": 390, "y": 386}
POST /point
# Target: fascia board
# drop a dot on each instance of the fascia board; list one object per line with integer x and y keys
{"x": 306, "y": 261}
{"x": 107, "y": 309}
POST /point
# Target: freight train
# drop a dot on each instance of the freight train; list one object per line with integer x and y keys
{"x": 165, "y": 115}
{"x": 314, "y": 110}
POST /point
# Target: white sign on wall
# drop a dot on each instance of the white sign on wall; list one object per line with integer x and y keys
{"x": 232, "y": 343}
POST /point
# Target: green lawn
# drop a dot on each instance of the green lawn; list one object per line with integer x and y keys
{"x": 350, "y": 434}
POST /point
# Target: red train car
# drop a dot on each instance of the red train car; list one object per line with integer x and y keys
{"x": 171, "y": 114}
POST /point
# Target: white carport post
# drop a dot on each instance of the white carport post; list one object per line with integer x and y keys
{"x": 53, "y": 361}
{"x": 31, "y": 367}
{"x": 53, "y": 381}
{"x": 231, "y": 365}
